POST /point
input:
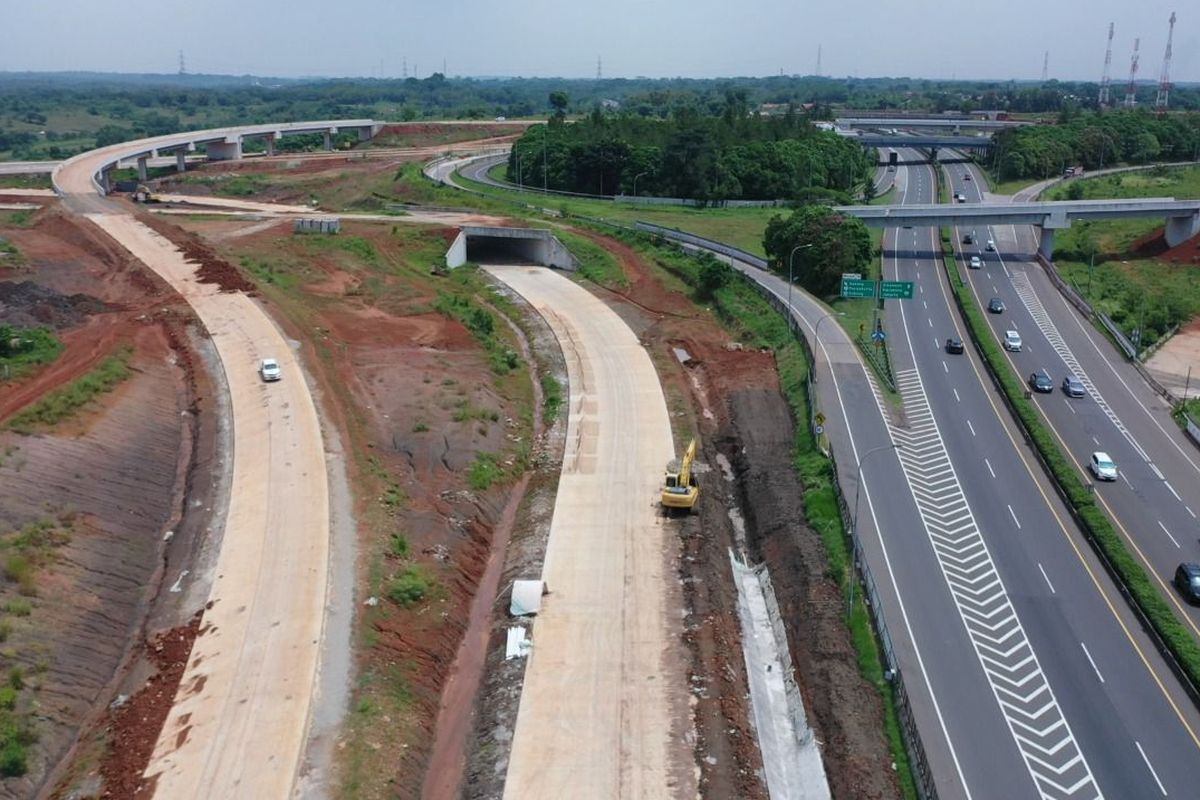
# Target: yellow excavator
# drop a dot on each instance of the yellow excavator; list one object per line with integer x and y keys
{"x": 679, "y": 489}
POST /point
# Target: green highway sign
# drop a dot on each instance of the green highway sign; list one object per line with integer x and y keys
{"x": 858, "y": 288}
{"x": 896, "y": 290}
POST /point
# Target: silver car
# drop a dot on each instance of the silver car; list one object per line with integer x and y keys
{"x": 269, "y": 370}
{"x": 1103, "y": 467}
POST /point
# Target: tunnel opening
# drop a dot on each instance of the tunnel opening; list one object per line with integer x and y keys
{"x": 495, "y": 250}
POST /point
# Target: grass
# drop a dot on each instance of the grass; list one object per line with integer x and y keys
{"x": 10, "y": 256}
{"x": 38, "y": 181}
{"x": 18, "y": 219}
{"x": 22, "y": 350}
{"x": 482, "y": 325}
{"x": 595, "y": 263}
{"x": 552, "y": 397}
{"x": 1182, "y": 183}
{"x": 1095, "y": 525}
{"x": 64, "y": 403}
{"x": 411, "y": 586}
{"x": 484, "y": 472}
{"x": 230, "y": 185}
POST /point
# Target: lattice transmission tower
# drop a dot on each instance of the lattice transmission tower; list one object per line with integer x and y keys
{"x": 1164, "y": 78}
{"x": 1131, "y": 89}
{"x": 1105, "y": 79}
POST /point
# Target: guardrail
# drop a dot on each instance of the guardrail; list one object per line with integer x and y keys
{"x": 1193, "y": 430}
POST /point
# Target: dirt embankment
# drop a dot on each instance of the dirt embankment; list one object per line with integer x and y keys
{"x": 113, "y": 477}
{"x": 846, "y": 711}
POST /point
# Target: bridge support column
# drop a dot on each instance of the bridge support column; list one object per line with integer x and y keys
{"x": 181, "y": 161}
{"x": 143, "y": 176}
{"x": 1046, "y": 247}
{"x": 933, "y": 155}
{"x": 105, "y": 180}
{"x": 271, "y": 144}
{"x": 328, "y": 140}
{"x": 225, "y": 151}
{"x": 1180, "y": 229}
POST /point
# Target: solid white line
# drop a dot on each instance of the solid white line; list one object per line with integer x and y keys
{"x": 956, "y": 397}
{"x": 1014, "y": 516}
{"x": 1168, "y": 533}
{"x": 1150, "y": 767}
{"x": 1157, "y": 472}
{"x": 1006, "y": 272}
{"x": 1098, "y": 675}
{"x": 989, "y": 466}
{"x": 1171, "y": 489}
{"x": 1047, "y": 578}
{"x": 972, "y": 427}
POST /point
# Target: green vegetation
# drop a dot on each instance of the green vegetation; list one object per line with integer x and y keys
{"x": 239, "y": 185}
{"x": 18, "y": 219}
{"x": 1094, "y": 140}
{"x": 411, "y": 586}
{"x": 552, "y": 397}
{"x": 484, "y": 472}
{"x": 733, "y": 155}
{"x": 38, "y": 181}
{"x": 63, "y": 403}
{"x": 1139, "y": 293}
{"x": 10, "y": 256}
{"x": 398, "y": 546}
{"x": 482, "y": 325}
{"x": 23, "y": 350}
{"x": 595, "y": 263}
{"x": 1092, "y": 520}
{"x": 830, "y": 244}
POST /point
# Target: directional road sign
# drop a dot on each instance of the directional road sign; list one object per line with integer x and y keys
{"x": 896, "y": 290}
{"x": 857, "y": 288}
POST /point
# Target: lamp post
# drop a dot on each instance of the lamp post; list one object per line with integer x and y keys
{"x": 791, "y": 257}
{"x": 817, "y": 338}
{"x": 544, "y": 129}
{"x": 635, "y": 179}
{"x": 854, "y": 523}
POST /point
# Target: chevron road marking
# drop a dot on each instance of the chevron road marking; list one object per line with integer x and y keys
{"x": 1037, "y": 723}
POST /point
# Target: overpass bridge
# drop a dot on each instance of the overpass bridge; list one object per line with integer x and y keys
{"x": 956, "y": 124}
{"x": 220, "y": 144}
{"x": 1182, "y": 216}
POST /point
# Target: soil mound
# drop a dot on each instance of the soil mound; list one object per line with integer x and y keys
{"x": 28, "y": 304}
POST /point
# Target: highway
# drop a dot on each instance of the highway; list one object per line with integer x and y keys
{"x": 1119, "y": 725}
{"x": 1157, "y": 498}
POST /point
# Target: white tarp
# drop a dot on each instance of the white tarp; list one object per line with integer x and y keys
{"x": 526, "y": 598}
{"x": 517, "y": 645}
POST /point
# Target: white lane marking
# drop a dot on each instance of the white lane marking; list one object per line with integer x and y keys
{"x": 1006, "y": 272}
{"x": 1157, "y": 472}
{"x": 972, "y": 427}
{"x": 1189, "y": 510}
{"x": 921, "y": 289}
{"x": 1068, "y": 402}
{"x": 1127, "y": 483}
{"x": 925, "y": 305}
{"x": 1168, "y": 533}
{"x": 1014, "y": 516}
{"x": 944, "y": 367}
{"x": 1150, "y": 767}
{"x": 1046, "y": 578}
{"x": 1097, "y": 441}
{"x": 930, "y": 321}
{"x": 1091, "y": 661}
{"x": 956, "y": 397}
{"x": 1171, "y": 489}
{"x": 989, "y": 466}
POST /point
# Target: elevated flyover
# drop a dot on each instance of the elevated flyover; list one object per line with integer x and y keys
{"x": 220, "y": 144}
{"x": 932, "y": 122}
{"x": 1182, "y": 216}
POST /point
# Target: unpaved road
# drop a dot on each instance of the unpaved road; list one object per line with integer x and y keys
{"x": 240, "y": 719}
{"x": 604, "y": 710}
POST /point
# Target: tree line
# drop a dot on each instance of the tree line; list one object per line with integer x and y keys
{"x": 1095, "y": 140}
{"x": 737, "y": 154}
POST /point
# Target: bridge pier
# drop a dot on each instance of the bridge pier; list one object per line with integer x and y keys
{"x": 225, "y": 151}
{"x": 1056, "y": 221}
{"x": 328, "y": 140}
{"x": 142, "y": 173}
{"x": 270, "y": 144}
{"x": 181, "y": 161}
{"x": 106, "y": 179}
{"x": 1180, "y": 229}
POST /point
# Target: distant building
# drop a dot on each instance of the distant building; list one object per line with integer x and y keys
{"x": 610, "y": 105}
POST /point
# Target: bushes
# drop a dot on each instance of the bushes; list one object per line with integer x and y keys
{"x": 411, "y": 586}
{"x": 63, "y": 403}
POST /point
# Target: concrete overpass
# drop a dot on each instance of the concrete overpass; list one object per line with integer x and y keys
{"x": 933, "y": 122}
{"x": 221, "y": 144}
{"x": 1182, "y": 216}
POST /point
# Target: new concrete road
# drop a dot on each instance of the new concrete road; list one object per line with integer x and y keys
{"x": 603, "y": 705}
{"x": 241, "y": 714}
{"x": 1088, "y": 705}
{"x": 1156, "y": 499}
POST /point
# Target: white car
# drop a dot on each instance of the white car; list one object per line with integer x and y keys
{"x": 269, "y": 370}
{"x": 1012, "y": 341}
{"x": 1103, "y": 467}
{"x": 976, "y": 263}
{"x": 991, "y": 246}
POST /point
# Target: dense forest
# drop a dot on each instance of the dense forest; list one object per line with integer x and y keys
{"x": 734, "y": 155}
{"x": 1095, "y": 140}
{"x": 56, "y": 115}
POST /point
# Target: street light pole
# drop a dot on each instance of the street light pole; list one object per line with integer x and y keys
{"x": 791, "y": 261}
{"x": 854, "y": 523}
{"x": 635, "y": 180}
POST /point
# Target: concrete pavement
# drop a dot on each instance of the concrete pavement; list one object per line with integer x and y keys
{"x": 604, "y": 710}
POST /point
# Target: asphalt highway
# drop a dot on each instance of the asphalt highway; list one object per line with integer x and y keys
{"x": 1156, "y": 500}
{"x": 1089, "y": 705}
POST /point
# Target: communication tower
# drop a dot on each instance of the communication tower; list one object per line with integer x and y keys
{"x": 1164, "y": 79}
{"x": 1131, "y": 90}
{"x": 1105, "y": 95}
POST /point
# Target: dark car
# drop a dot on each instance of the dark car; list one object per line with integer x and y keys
{"x": 1187, "y": 581}
{"x": 1040, "y": 382}
{"x": 967, "y": 177}
{"x": 954, "y": 345}
{"x": 969, "y": 239}
{"x": 1073, "y": 387}
{"x": 996, "y": 305}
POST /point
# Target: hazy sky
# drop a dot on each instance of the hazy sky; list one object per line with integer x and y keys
{"x": 689, "y": 38}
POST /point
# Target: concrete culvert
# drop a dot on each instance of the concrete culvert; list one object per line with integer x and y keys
{"x": 509, "y": 246}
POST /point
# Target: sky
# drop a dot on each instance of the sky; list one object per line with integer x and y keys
{"x": 631, "y": 38}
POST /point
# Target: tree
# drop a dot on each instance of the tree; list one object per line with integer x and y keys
{"x": 559, "y": 101}
{"x": 836, "y": 244}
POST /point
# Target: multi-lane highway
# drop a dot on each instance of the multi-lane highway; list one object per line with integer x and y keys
{"x": 1087, "y": 702}
{"x": 1156, "y": 500}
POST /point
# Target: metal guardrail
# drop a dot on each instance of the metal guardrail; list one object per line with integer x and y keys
{"x": 1193, "y": 430}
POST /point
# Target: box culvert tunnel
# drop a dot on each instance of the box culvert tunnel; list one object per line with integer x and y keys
{"x": 481, "y": 245}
